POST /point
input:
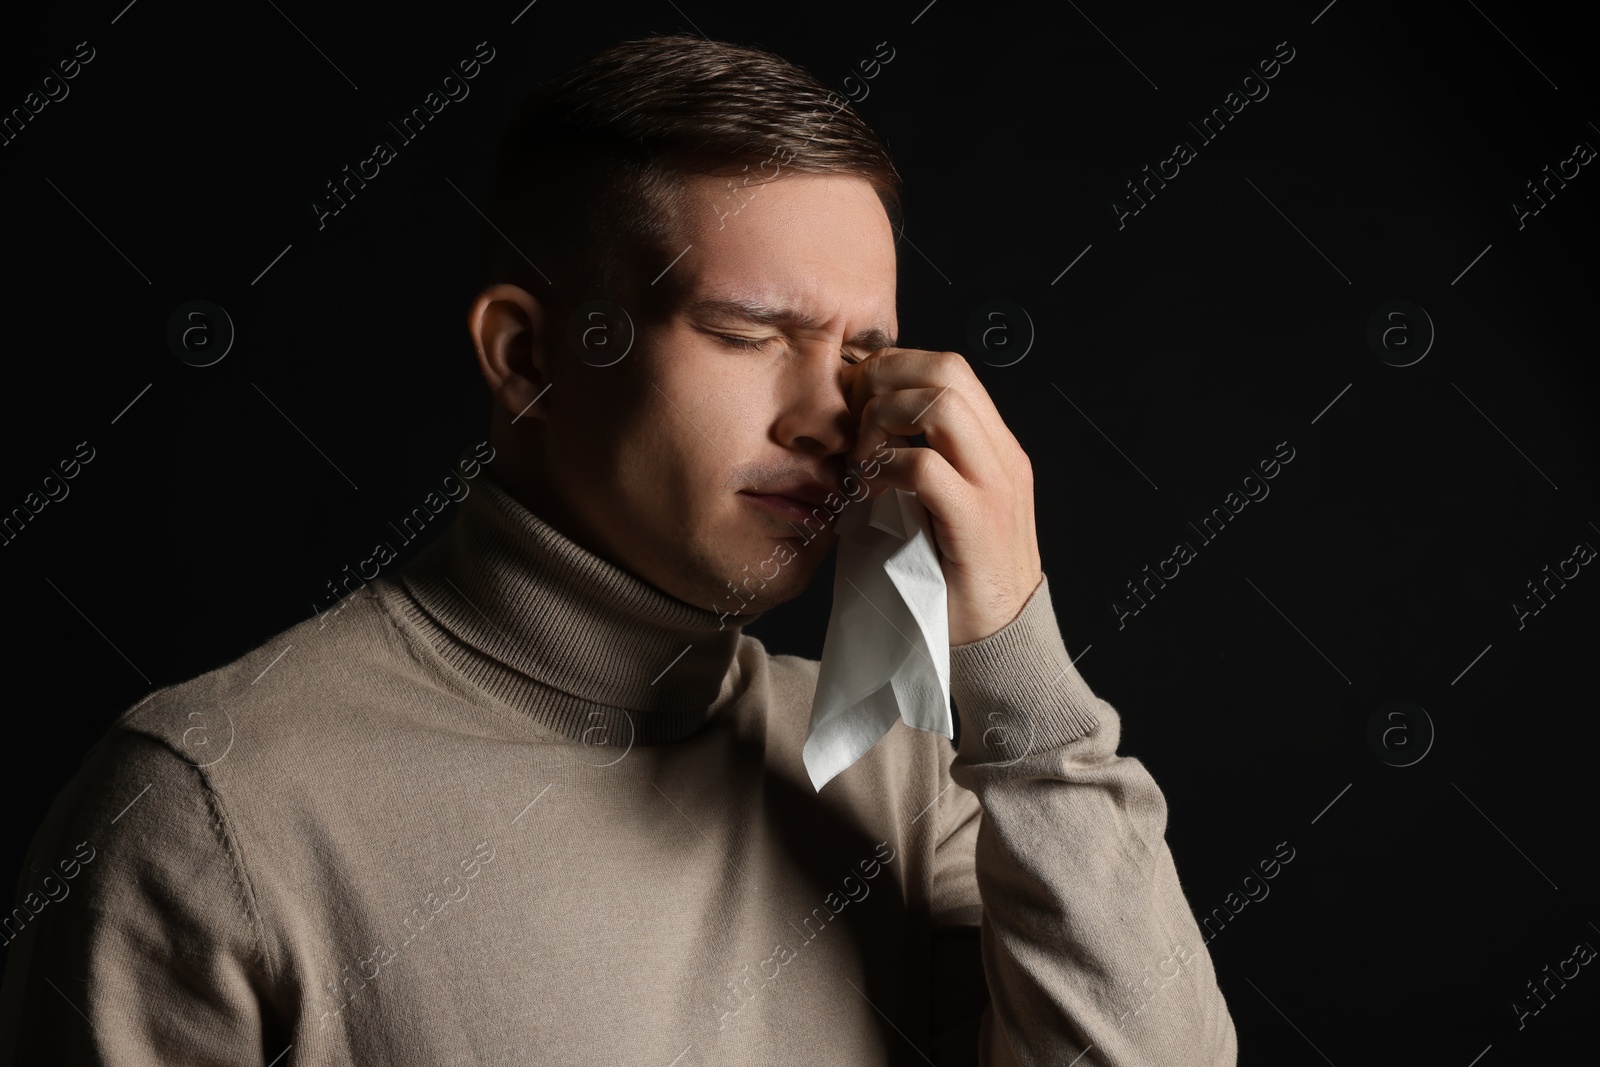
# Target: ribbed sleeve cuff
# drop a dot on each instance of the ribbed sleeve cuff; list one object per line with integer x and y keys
{"x": 1017, "y": 691}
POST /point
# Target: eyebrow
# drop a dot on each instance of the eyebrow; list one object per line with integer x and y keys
{"x": 764, "y": 314}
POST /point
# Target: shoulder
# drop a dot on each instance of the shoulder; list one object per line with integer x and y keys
{"x": 318, "y": 685}
{"x": 139, "y": 833}
{"x": 123, "y": 777}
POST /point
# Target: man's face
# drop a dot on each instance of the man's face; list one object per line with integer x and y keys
{"x": 654, "y": 457}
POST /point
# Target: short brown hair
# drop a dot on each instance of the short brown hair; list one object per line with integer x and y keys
{"x": 588, "y": 180}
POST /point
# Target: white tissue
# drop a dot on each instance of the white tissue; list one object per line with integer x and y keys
{"x": 886, "y": 656}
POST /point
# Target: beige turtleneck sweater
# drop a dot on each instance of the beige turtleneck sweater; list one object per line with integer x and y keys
{"x": 517, "y": 806}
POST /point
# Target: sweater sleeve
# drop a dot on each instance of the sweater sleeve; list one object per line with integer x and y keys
{"x": 134, "y": 941}
{"x": 1087, "y": 943}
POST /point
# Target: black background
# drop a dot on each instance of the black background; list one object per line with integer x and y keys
{"x": 1219, "y": 321}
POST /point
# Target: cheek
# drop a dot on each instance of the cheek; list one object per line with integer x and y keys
{"x": 702, "y": 415}
{"x": 711, "y": 415}
{"x": 651, "y": 472}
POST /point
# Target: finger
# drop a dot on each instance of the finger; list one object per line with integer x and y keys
{"x": 939, "y": 488}
{"x": 888, "y": 369}
{"x": 942, "y": 415}
{"x": 870, "y": 461}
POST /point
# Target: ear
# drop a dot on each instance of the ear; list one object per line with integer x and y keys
{"x": 509, "y": 329}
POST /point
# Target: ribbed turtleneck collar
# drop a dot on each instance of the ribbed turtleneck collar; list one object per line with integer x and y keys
{"x": 579, "y": 644}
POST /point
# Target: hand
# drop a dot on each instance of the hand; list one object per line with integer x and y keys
{"x": 974, "y": 478}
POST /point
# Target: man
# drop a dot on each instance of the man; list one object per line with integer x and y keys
{"x": 538, "y": 799}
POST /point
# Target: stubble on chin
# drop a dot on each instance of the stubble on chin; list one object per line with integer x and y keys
{"x": 777, "y": 571}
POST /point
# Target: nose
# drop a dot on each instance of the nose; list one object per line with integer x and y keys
{"x": 815, "y": 416}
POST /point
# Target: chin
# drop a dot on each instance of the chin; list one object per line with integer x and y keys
{"x": 778, "y": 574}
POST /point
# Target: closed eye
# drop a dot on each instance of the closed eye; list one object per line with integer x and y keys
{"x": 752, "y": 343}
{"x": 741, "y": 342}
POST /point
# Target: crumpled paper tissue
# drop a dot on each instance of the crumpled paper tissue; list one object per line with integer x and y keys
{"x": 886, "y": 655}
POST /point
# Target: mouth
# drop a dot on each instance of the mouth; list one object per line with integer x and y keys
{"x": 786, "y": 507}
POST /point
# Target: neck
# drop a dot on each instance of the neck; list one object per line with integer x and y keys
{"x": 557, "y": 631}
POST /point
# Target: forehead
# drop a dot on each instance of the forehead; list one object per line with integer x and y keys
{"x": 818, "y": 246}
